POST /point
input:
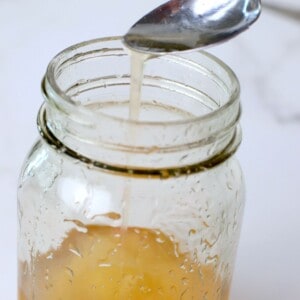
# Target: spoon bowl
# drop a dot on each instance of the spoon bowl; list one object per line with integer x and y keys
{"x": 182, "y": 25}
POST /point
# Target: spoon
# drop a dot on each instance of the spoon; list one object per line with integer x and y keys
{"x": 180, "y": 25}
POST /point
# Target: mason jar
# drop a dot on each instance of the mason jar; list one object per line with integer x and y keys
{"x": 115, "y": 208}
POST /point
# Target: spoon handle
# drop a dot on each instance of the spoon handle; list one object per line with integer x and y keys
{"x": 283, "y": 11}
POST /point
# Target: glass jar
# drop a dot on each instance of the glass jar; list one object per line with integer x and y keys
{"x": 111, "y": 208}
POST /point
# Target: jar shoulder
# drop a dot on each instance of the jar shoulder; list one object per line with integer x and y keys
{"x": 42, "y": 164}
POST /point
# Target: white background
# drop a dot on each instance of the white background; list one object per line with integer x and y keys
{"x": 267, "y": 61}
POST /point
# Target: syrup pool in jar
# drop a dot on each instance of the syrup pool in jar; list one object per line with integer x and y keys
{"x": 112, "y": 263}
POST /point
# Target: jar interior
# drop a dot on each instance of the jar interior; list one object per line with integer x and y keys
{"x": 174, "y": 88}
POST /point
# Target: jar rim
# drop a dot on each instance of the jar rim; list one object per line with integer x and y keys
{"x": 51, "y": 90}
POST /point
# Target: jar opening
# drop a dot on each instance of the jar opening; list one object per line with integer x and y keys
{"x": 188, "y": 101}
{"x": 95, "y": 78}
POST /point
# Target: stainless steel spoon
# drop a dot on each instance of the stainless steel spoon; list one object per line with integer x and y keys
{"x": 180, "y": 25}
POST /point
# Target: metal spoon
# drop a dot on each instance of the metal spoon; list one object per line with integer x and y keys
{"x": 180, "y": 25}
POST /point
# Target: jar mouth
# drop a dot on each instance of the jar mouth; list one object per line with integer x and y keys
{"x": 55, "y": 94}
{"x": 190, "y": 108}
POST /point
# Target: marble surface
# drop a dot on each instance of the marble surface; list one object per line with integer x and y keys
{"x": 266, "y": 59}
